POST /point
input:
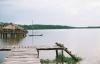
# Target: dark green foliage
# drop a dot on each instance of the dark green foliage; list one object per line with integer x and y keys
{"x": 44, "y": 61}
{"x": 45, "y": 26}
{"x": 67, "y": 60}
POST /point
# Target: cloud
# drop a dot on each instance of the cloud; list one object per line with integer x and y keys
{"x": 72, "y": 12}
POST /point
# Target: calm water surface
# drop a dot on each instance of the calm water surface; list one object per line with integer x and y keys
{"x": 82, "y": 42}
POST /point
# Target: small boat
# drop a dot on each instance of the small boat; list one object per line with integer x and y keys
{"x": 36, "y": 35}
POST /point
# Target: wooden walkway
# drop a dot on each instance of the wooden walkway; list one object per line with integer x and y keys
{"x": 30, "y": 54}
{"x": 22, "y": 56}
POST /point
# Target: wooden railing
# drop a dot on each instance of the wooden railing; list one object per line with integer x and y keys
{"x": 66, "y": 50}
{"x": 59, "y": 47}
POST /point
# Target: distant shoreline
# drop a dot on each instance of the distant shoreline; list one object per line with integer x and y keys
{"x": 36, "y": 26}
{"x": 67, "y": 28}
{"x": 41, "y": 27}
{"x": 63, "y": 28}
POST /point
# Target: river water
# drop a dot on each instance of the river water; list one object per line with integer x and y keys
{"x": 84, "y": 43}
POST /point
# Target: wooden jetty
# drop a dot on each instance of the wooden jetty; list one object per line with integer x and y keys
{"x": 30, "y": 54}
{"x": 22, "y": 55}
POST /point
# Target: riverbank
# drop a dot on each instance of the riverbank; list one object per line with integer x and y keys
{"x": 43, "y": 26}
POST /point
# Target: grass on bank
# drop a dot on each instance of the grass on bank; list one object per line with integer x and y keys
{"x": 66, "y": 60}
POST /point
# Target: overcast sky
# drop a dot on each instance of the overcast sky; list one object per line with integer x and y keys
{"x": 62, "y": 12}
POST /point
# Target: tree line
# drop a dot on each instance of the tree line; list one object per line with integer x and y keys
{"x": 40, "y": 26}
{"x": 45, "y": 26}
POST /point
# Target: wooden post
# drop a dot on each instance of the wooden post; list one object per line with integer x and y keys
{"x": 56, "y": 56}
{"x": 5, "y": 35}
{"x": 38, "y": 53}
{"x": 1, "y": 35}
{"x": 62, "y": 57}
{"x": 66, "y": 50}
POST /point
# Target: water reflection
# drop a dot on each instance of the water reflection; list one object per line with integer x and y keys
{"x": 82, "y": 42}
{"x": 10, "y": 41}
{"x": 3, "y": 54}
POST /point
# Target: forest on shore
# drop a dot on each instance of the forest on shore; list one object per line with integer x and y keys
{"x": 41, "y": 26}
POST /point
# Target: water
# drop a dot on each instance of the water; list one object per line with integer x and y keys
{"x": 82, "y": 42}
{"x": 3, "y": 54}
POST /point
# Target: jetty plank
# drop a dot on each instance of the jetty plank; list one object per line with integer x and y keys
{"x": 22, "y": 56}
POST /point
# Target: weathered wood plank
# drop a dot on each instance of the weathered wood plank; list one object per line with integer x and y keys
{"x": 22, "y": 56}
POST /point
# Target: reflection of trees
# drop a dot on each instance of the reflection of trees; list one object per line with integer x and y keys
{"x": 11, "y": 41}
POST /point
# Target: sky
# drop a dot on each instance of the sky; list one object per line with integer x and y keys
{"x": 57, "y": 12}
